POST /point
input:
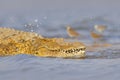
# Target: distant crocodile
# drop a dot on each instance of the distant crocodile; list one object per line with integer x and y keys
{"x": 13, "y": 42}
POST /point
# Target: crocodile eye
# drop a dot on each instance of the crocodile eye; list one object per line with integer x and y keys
{"x": 22, "y": 40}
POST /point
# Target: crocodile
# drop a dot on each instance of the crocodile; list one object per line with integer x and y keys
{"x": 14, "y": 42}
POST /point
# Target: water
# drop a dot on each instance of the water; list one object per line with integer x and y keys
{"x": 51, "y": 21}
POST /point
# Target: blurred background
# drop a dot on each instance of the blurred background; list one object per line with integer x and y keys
{"x": 61, "y": 10}
{"x": 56, "y": 14}
{"x": 50, "y": 17}
{"x": 81, "y": 6}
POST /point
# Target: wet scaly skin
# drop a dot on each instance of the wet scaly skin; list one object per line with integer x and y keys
{"x": 13, "y": 42}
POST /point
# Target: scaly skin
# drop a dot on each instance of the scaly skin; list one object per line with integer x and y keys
{"x": 13, "y": 42}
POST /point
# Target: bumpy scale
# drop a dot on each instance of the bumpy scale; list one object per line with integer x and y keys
{"x": 13, "y": 42}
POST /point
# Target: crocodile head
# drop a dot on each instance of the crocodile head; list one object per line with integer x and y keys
{"x": 56, "y": 47}
{"x": 13, "y": 42}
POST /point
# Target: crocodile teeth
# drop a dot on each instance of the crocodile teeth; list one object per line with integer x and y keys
{"x": 73, "y": 50}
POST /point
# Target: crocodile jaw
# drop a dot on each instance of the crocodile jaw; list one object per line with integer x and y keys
{"x": 13, "y": 42}
{"x": 44, "y": 52}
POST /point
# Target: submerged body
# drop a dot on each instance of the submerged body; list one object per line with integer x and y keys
{"x": 13, "y": 42}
